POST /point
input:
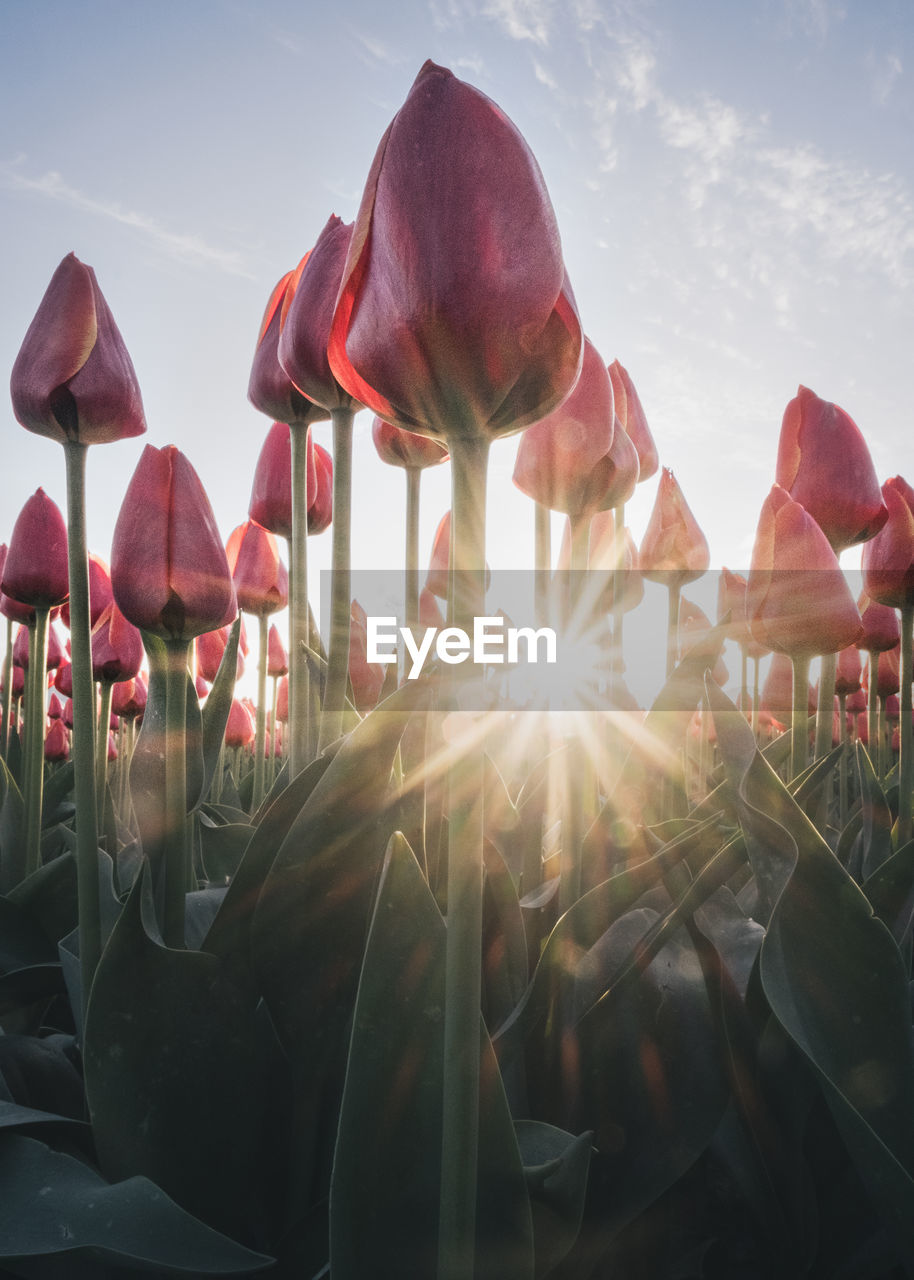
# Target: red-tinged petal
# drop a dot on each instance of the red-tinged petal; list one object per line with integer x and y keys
{"x": 239, "y": 729}
{"x": 557, "y": 456}
{"x": 825, "y": 465}
{"x": 269, "y": 387}
{"x": 117, "y": 647}
{"x": 305, "y": 326}
{"x": 881, "y": 629}
{"x": 73, "y": 378}
{"x": 261, "y": 580}
{"x": 100, "y": 595}
{"x": 848, "y": 674}
{"x": 168, "y": 567}
{"x": 673, "y": 547}
{"x": 277, "y": 658}
{"x": 271, "y": 491}
{"x": 454, "y": 274}
{"x": 888, "y": 558}
{"x": 399, "y": 448}
{"x": 35, "y": 571}
{"x": 57, "y": 741}
{"x": 634, "y": 420}
{"x": 320, "y": 508}
{"x": 797, "y": 599}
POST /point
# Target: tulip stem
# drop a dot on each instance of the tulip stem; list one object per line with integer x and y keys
{"x": 872, "y": 712}
{"x": 617, "y": 668}
{"x": 542, "y": 558}
{"x": 672, "y": 629}
{"x": 905, "y": 763}
{"x": 89, "y": 910}
{"x": 411, "y": 593}
{"x": 825, "y": 710}
{"x": 799, "y": 721}
{"x": 340, "y": 602}
{"x": 260, "y": 726}
{"x": 301, "y": 744}
{"x": 842, "y": 762}
{"x": 34, "y": 737}
{"x": 101, "y": 747}
{"x": 463, "y": 963}
{"x": 176, "y": 851}
{"x": 7, "y": 691}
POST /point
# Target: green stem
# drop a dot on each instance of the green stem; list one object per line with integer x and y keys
{"x": 842, "y": 761}
{"x": 618, "y": 605}
{"x": 872, "y": 712}
{"x": 542, "y": 553}
{"x": 340, "y": 600}
{"x": 176, "y": 850}
{"x": 34, "y": 737}
{"x": 463, "y": 976}
{"x": 799, "y": 721}
{"x": 273, "y": 728}
{"x": 825, "y": 710}
{"x": 101, "y": 747}
{"x": 905, "y": 762}
{"x": 300, "y": 749}
{"x": 260, "y": 727}
{"x": 7, "y": 700}
{"x": 756, "y": 663}
{"x": 411, "y": 594}
{"x": 672, "y": 627}
{"x": 90, "y": 933}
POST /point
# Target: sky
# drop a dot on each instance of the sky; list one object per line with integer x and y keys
{"x": 734, "y": 187}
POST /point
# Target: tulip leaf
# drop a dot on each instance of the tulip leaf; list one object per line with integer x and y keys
{"x": 876, "y": 816}
{"x": 504, "y": 941}
{"x": 833, "y": 976}
{"x": 215, "y": 712}
{"x": 890, "y": 891}
{"x": 556, "y": 1165}
{"x": 223, "y": 848}
{"x": 386, "y": 1170}
{"x": 56, "y": 1206}
{"x": 12, "y": 831}
{"x": 49, "y": 896}
{"x": 175, "y": 1076}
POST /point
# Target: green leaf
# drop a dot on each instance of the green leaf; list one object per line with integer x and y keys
{"x": 876, "y": 817}
{"x": 49, "y": 896}
{"x": 890, "y": 891}
{"x": 54, "y": 1205}
{"x": 217, "y": 707}
{"x": 504, "y": 942}
{"x": 223, "y": 848}
{"x": 556, "y": 1165}
{"x": 833, "y": 977}
{"x": 386, "y": 1170}
{"x": 174, "y": 1076}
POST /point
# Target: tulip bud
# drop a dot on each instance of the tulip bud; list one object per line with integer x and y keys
{"x": 825, "y": 465}
{"x": 634, "y": 421}
{"x": 277, "y": 658}
{"x": 674, "y": 549}
{"x": 454, "y": 315}
{"x": 239, "y": 728}
{"x": 888, "y": 558}
{"x": 73, "y": 379}
{"x": 261, "y": 579}
{"x": 35, "y": 570}
{"x": 271, "y": 491}
{"x": 168, "y": 567}
{"x": 57, "y": 741}
{"x": 100, "y": 594}
{"x": 117, "y": 647}
{"x": 399, "y": 448}
{"x": 269, "y": 388}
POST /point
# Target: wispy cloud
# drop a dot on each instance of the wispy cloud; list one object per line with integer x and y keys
{"x": 885, "y": 72}
{"x": 523, "y": 19}
{"x": 184, "y": 247}
{"x": 375, "y": 48}
{"x": 814, "y": 17}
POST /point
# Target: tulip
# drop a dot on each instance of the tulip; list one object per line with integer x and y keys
{"x": 171, "y": 579}
{"x": 797, "y": 600}
{"x": 209, "y": 648}
{"x": 117, "y": 653}
{"x": 303, "y": 354}
{"x": 399, "y": 448}
{"x": 63, "y": 679}
{"x": 262, "y": 585}
{"x": 455, "y": 319}
{"x": 239, "y": 728}
{"x": 824, "y": 464}
{"x": 57, "y": 741}
{"x": 673, "y": 551}
{"x": 848, "y": 672}
{"x": 365, "y": 678}
{"x": 128, "y": 699}
{"x": 634, "y": 421}
{"x": 277, "y": 658}
{"x": 35, "y": 568}
{"x": 54, "y": 707}
{"x": 271, "y": 491}
{"x": 100, "y": 594}
{"x": 271, "y": 391}
{"x": 169, "y": 571}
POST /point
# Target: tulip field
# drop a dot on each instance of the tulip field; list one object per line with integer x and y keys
{"x": 441, "y": 956}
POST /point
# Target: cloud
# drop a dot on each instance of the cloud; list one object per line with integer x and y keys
{"x": 184, "y": 247}
{"x": 376, "y": 49}
{"x": 885, "y": 72}
{"x": 814, "y": 17}
{"x": 522, "y": 19}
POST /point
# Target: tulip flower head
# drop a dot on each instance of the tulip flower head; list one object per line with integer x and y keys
{"x": 57, "y": 741}
{"x": 270, "y": 389}
{"x": 277, "y": 658}
{"x": 881, "y": 630}
{"x": 35, "y": 569}
{"x": 825, "y": 465}
{"x": 73, "y": 379}
{"x": 320, "y": 508}
{"x": 673, "y": 549}
{"x": 888, "y": 558}
{"x": 797, "y": 599}
{"x": 307, "y": 315}
{"x": 168, "y": 567}
{"x": 401, "y": 448}
{"x": 117, "y": 647}
{"x": 455, "y": 316}
{"x": 100, "y": 595}
{"x": 261, "y": 579}
{"x": 634, "y": 421}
